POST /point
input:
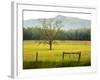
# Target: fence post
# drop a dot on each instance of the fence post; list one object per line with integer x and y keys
{"x": 36, "y": 56}
{"x": 79, "y": 57}
{"x": 63, "y": 56}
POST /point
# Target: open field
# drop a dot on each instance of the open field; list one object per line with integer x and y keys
{"x": 53, "y": 58}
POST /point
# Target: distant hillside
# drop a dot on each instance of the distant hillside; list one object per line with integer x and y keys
{"x": 68, "y": 22}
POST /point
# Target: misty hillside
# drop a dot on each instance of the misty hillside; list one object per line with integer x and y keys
{"x": 68, "y": 22}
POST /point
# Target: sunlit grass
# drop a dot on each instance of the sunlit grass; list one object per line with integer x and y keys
{"x": 55, "y": 56}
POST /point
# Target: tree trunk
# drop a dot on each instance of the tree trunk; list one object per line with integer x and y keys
{"x": 50, "y": 44}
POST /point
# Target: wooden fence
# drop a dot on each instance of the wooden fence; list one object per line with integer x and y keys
{"x": 78, "y": 53}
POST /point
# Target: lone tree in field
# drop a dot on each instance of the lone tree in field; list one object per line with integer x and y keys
{"x": 50, "y": 30}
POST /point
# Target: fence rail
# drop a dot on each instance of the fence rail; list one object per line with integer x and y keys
{"x": 78, "y": 53}
{"x": 63, "y": 55}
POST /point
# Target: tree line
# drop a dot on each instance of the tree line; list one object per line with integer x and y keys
{"x": 34, "y": 33}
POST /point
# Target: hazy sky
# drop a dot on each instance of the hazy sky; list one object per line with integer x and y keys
{"x": 35, "y": 15}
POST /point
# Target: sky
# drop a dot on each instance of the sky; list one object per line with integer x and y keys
{"x": 37, "y": 14}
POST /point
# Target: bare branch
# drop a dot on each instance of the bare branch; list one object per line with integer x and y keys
{"x": 50, "y": 29}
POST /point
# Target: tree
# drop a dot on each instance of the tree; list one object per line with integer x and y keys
{"x": 50, "y": 30}
{"x": 27, "y": 34}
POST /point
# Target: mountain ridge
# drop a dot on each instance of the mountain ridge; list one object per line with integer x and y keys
{"x": 68, "y": 22}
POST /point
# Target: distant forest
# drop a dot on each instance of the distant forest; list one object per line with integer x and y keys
{"x": 34, "y": 33}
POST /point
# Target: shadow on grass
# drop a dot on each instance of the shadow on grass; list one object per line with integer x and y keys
{"x": 48, "y": 64}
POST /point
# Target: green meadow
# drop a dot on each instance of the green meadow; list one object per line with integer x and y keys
{"x": 53, "y": 58}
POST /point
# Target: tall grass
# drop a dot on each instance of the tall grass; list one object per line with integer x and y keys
{"x": 53, "y": 58}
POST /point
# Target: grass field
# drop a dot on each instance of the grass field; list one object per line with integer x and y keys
{"x": 53, "y": 58}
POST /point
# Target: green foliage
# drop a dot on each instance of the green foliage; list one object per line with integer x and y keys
{"x": 35, "y": 33}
